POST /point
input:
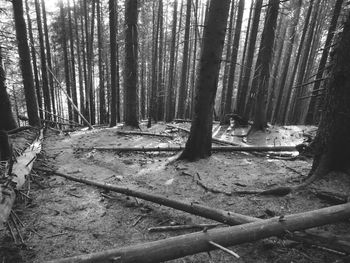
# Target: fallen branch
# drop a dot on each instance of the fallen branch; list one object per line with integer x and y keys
{"x": 144, "y": 133}
{"x": 180, "y": 246}
{"x": 180, "y": 148}
{"x": 213, "y": 139}
{"x": 182, "y": 227}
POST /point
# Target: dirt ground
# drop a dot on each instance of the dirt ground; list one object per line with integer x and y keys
{"x": 65, "y": 218}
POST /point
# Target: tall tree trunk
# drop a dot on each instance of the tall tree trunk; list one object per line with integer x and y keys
{"x": 7, "y": 122}
{"x": 228, "y": 100}
{"x": 131, "y": 45}
{"x": 263, "y": 65}
{"x": 198, "y": 144}
{"x": 249, "y": 61}
{"x": 160, "y": 90}
{"x": 183, "y": 83}
{"x": 100, "y": 65}
{"x": 34, "y": 61}
{"x": 113, "y": 62}
{"x": 26, "y": 67}
{"x": 301, "y": 43}
{"x": 49, "y": 60}
{"x": 312, "y": 114}
{"x": 65, "y": 57}
{"x": 169, "y": 114}
{"x": 332, "y": 144}
{"x": 90, "y": 65}
{"x": 295, "y": 111}
{"x": 45, "y": 81}
{"x": 72, "y": 59}
{"x": 286, "y": 64}
{"x": 227, "y": 64}
{"x": 84, "y": 37}
{"x": 80, "y": 71}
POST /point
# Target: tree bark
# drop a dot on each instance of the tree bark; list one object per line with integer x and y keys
{"x": 131, "y": 54}
{"x": 183, "y": 82}
{"x": 198, "y": 144}
{"x": 26, "y": 67}
{"x": 101, "y": 74}
{"x": 263, "y": 65}
{"x": 312, "y": 114}
{"x": 7, "y": 122}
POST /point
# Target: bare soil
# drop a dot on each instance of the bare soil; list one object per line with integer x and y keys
{"x": 66, "y": 218}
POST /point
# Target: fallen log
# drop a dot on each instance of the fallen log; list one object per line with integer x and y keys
{"x": 21, "y": 168}
{"x": 181, "y": 227}
{"x": 213, "y": 139}
{"x": 180, "y": 148}
{"x": 222, "y": 216}
{"x": 144, "y": 133}
{"x": 180, "y": 246}
{"x": 226, "y": 217}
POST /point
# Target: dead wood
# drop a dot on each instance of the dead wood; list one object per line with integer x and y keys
{"x": 20, "y": 170}
{"x": 331, "y": 197}
{"x": 180, "y": 148}
{"x": 180, "y": 246}
{"x": 222, "y": 216}
{"x": 19, "y": 129}
{"x": 182, "y": 227}
{"x": 144, "y": 133}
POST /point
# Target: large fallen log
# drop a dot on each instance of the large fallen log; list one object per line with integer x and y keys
{"x": 226, "y": 217}
{"x": 180, "y": 148}
{"x": 213, "y": 139}
{"x": 145, "y": 133}
{"x": 21, "y": 168}
{"x": 222, "y": 216}
{"x": 180, "y": 246}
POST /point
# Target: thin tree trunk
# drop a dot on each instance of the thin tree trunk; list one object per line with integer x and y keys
{"x": 100, "y": 65}
{"x": 230, "y": 87}
{"x": 80, "y": 71}
{"x": 227, "y": 64}
{"x": 263, "y": 65}
{"x": 66, "y": 61}
{"x": 90, "y": 65}
{"x": 26, "y": 67}
{"x": 113, "y": 40}
{"x": 84, "y": 33}
{"x": 34, "y": 61}
{"x": 45, "y": 82}
{"x": 288, "y": 53}
{"x": 160, "y": 89}
{"x": 183, "y": 83}
{"x": 169, "y": 115}
{"x": 312, "y": 114}
{"x": 49, "y": 59}
{"x": 72, "y": 58}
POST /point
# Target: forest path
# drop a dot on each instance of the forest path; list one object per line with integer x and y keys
{"x": 72, "y": 218}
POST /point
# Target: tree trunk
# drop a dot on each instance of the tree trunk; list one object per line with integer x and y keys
{"x": 34, "y": 61}
{"x": 198, "y": 144}
{"x": 244, "y": 86}
{"x": 131, "y": 45}
{"x": 72, "y": 60}
{"x": 100, "y": 65}
{"x": 49, "y": 59}
{"x": 332, "y": 144}
{"x": 26, "y": 67}
{"x": 113, "y": 41}
{"x": 230, "y": 87}
{"x": 183, "y": 82}
{"x": 160, "y": 89}
{"x": 90, "y": 65}
{"x": 312, "y": 114}
{"x": 263, "y": 65}
{"x": 286, "y": 64}
{"x": 7, "y": 122}
{"x": 66, "y": 61}
{"x": 227, "y": 64}
{"x": 84, "y": 33}
{"x": 169, "y": 107}
{"x": 80, "y": 71}
{"x": 45, "y": 81}
{"x": 295, "y": 67}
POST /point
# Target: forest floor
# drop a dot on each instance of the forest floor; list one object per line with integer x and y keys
{"x": 66, "y": 218}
